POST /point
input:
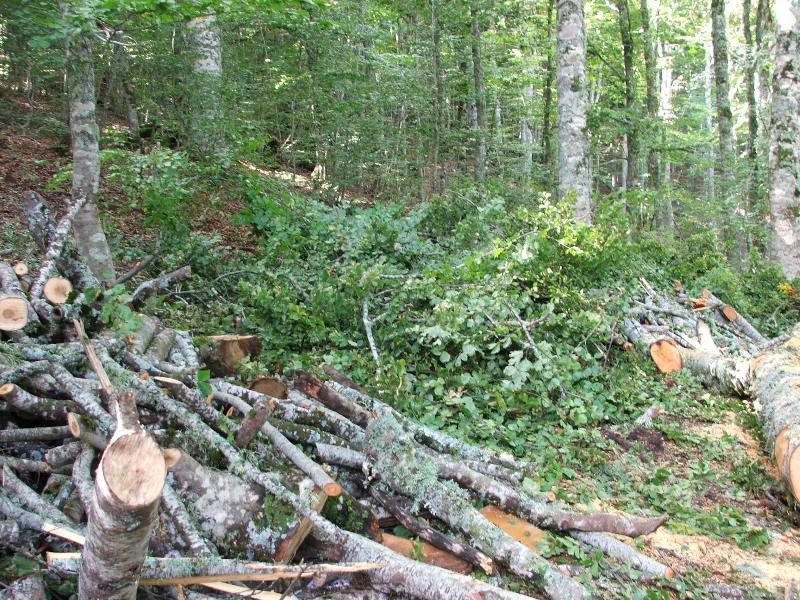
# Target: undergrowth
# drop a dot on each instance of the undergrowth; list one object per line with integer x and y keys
{"x": 491, "y": 311}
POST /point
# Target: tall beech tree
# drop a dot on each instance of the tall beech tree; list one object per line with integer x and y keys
{"x": 574, "y": 180}
{"x": 784, "y": 159}
{"x": 733, "y": 212}
{"x": 89, "y": 236}
{"x": 208, "y": 118}
{"x": 651, "y": 94}
{"x": 631, "y": 174}
{"x": 480, "y": 95}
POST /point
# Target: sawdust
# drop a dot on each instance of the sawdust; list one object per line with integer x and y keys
{"x": 773, "y": 568}
{"x": 751, "y": 446}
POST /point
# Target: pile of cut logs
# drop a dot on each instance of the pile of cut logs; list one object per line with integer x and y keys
{"x": 726, "y": 352}
{"x": 120, "y": 467}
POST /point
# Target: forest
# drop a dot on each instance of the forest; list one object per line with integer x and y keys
{"x": 372, "y": 300}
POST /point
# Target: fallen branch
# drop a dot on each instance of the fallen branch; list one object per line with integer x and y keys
{"x": 429, "y": 534}
{"x": 56, "y": 245}
{"x": 153, "y": 286}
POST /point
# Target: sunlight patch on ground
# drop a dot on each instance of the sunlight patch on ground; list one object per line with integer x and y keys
{"x": 774, "y": 568}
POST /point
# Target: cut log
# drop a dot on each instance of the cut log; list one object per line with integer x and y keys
{"x": 729, "y": 312}
{"x": 332, "y": 399}
{"x": 79, "y": 430}
{"x": 325, "y": 482}
{"x": 625, "y": 553}
{"x": 25, "y": 402}
{"x": 342, "y": 379}
{"x": 21, "y": 269}
{"x": 427, "y": 553}
{"x": 413, "y": 473}
{"x": 13, "y": 313}
{"x": 128, "y": 486}
{"x": 153, "y": 286}
{"x": 664, "y": 352}
{"x": 34, "y": 434}
{"x": 666, "y": 356}
{"x": 225, "y": 503}
{"x": 292, "y": 542}
{"x": 34, "y": 521}
{"x": 270, "y": 386}
{"x": 455, "y": 548}
{"x": 54, "y": 248}
{"x": 771, "y": 379}
{"x": 252, "y": 423}
{"x": 160, "y": 346}
{"x": 227, "y": 351}
{"x": 56, "y": 290}
{"x": 178, "y": 571}
{"x": 522, "y": 531}
{"x": 27, "y": 588}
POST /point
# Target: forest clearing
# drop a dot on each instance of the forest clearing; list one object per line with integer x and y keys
{"x": 437, "y": 300}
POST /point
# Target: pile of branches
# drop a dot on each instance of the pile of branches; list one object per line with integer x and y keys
{"x": 726, "y": 352}
{"x": 121, "y": 467}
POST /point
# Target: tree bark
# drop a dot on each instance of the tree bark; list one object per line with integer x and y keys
{"x": 651, "y": 98}
{"x": 550, "y": 74}
{"x": 709, "y": 182}
{"x": 439, "y": 98}
{"x": 574, "y": 181}
{"x": 429, "y": 534}
{"x": 784, "y": 158}
{"x": 89, "y": 236}
{"x": 208, "y": 114}
{"x": 667, "y": 210}
{"x": 414, "y": 474}
{"x": 752, "y": 107}
{"x": 480, "y": 96}
{"x": 733, "y": 213}
{"x": 631, "y": 125}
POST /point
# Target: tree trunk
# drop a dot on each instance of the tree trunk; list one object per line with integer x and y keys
{"x": 666, "y": 211}
{"x": 126, "y": 91}
{"x": 574, "y": 181}
{"x": 784, "y": 159}
{"x": 763, "y": 73}
{"x": 769, "y": 378}
{"x": 709, "y": 183}
{"x": 732, "y": 212}
{"x": 550, "y": 74}
{"x": 752, "y": 107}
{"x": 89, "y": 236}
{"x": 480, "y": 97}
{"x": 207, "y": 132}
{"x": 127, "y": 490}
{"x": 631, "y": 126}
{"x": 439, "y": 99}
{"x": 651, "y": 99}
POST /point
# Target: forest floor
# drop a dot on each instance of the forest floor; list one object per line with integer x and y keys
{"x": 700, "y": 461}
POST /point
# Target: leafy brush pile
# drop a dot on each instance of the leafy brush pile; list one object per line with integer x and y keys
{"x": 492, "y": 312}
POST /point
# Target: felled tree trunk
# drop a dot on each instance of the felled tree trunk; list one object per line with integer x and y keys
{"x": 772, "y": 379}
{"x": 127, "y": 490}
